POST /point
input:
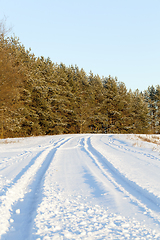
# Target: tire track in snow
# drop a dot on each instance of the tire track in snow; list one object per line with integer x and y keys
{"x": 125, "y": 148}
{"x": 142, "y": 191}
{"x": 19, "y": 158}
{"x": 147, "y": 201}
{"x": 65, "y": 214}
{"x": 14, "y": 159}
{"x": 28, "y": 183}
{"x": 5, "y": 187}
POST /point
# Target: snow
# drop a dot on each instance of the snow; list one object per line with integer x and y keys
{"x": 82, "y": 186}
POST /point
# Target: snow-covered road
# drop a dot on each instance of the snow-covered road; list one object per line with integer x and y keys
{"x": 79, "y": 187}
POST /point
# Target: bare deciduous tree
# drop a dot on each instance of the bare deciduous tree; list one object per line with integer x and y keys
{"x": 3, "y": 29}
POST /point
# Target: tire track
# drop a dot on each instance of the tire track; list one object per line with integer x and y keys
{"x": 148, "y": 195}
{"x": 145, "y": 200}
{"x": 5, "y": 187}
{"x": 6, "y": 164}
{"x": 125, "y": 149}
{"x": 22, "y": 156}
{"x": 27, "y": 183}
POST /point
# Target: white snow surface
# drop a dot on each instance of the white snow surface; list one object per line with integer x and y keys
{"x": 82, "y": 186}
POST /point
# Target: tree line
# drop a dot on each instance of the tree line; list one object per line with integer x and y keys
{"x": 39, "y": 97}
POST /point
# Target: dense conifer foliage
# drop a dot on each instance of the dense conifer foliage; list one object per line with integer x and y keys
{"x": 39, "y": 97}
{"x": 152, "y": 97}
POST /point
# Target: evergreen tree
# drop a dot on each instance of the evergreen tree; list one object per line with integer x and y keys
{"x": 158, "y": 109}
{"x": 150, "y": 97}
{"x": 140, "y": 113}
{"x": 38, "y": 97}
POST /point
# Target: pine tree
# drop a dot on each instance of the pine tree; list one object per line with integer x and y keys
{"x": 150, "y": 97}
{"x": 140, "y": 113}
{"x": 157, "y": 95}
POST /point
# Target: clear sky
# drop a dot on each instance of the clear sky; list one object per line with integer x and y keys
{"x": 109, "y": 37}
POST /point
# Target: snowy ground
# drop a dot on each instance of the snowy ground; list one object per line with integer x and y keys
{"x": 79, "y": 187}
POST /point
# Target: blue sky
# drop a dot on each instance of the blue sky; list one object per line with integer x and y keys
{"x": 119, "y": 38}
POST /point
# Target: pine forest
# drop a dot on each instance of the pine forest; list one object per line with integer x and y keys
{"x": 39, "y": 97}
